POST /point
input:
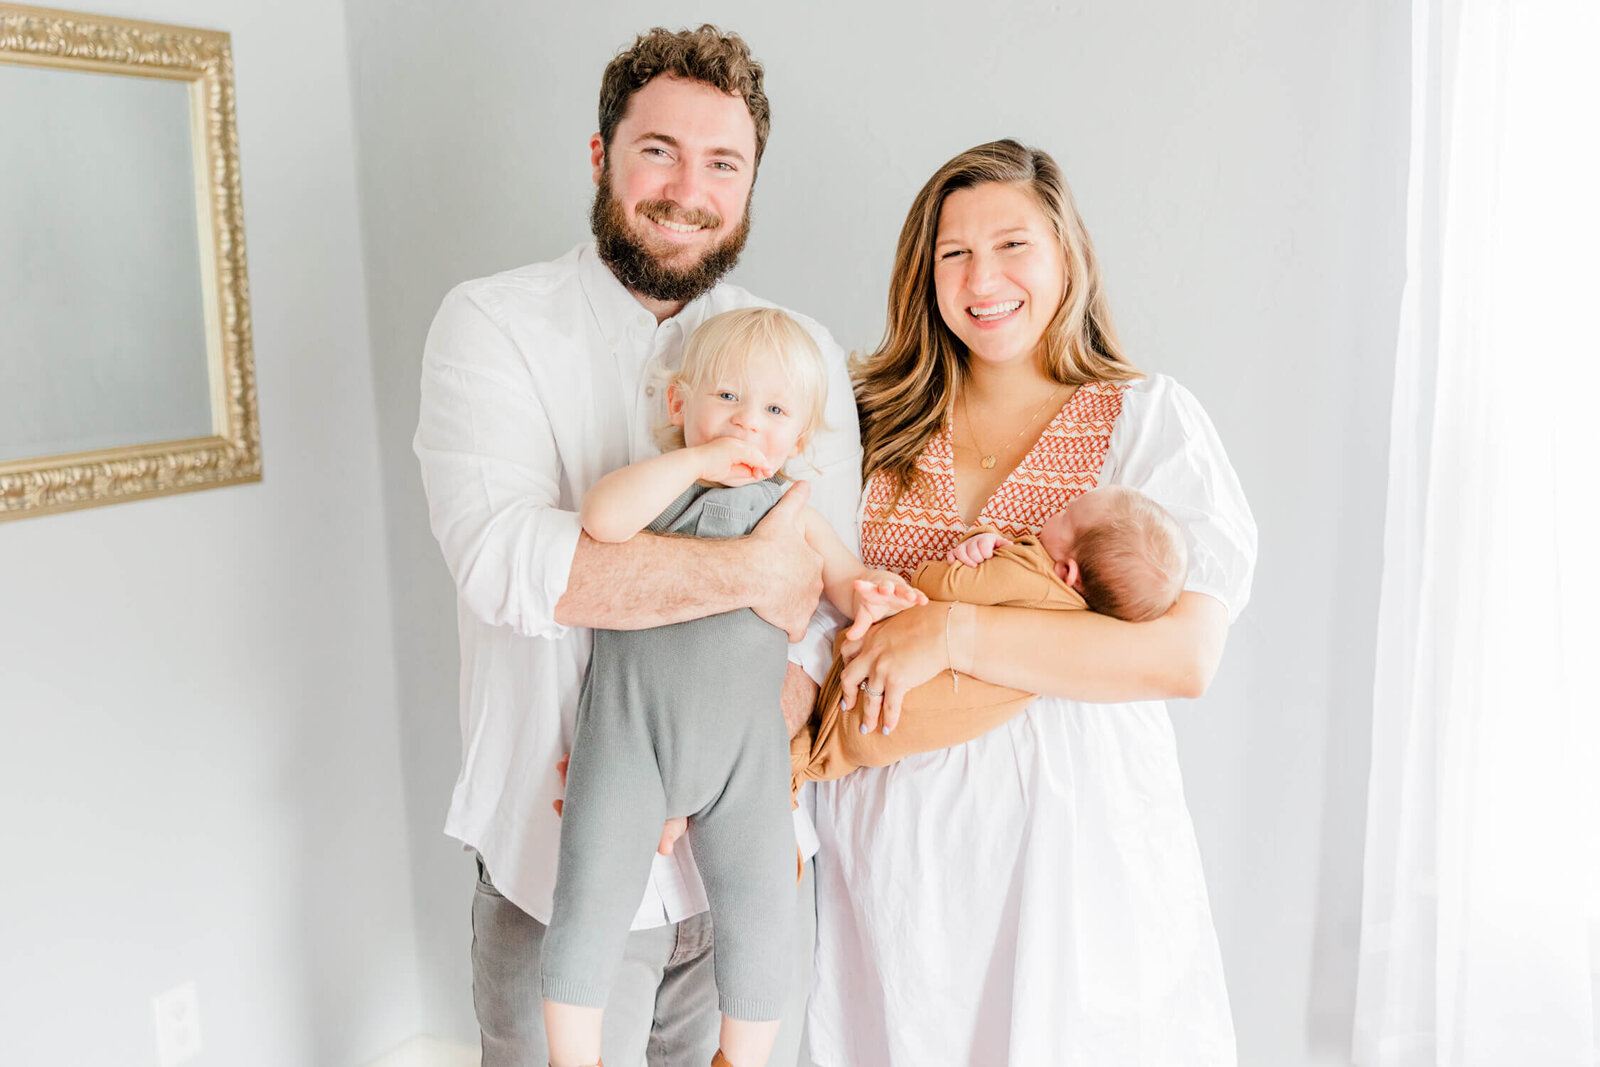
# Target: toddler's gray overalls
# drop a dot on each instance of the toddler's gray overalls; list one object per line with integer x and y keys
{"x": 682, "y": 719}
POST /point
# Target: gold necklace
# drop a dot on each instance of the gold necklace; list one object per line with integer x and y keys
{"x": 988, "y": 462}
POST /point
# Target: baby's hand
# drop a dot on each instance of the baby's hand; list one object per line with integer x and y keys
{"x": 731, "y": 461}
{"x": 975, "y": 549}
{"x": 879, "y": 595}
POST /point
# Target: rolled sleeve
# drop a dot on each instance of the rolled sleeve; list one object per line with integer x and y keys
{"x": 491, "y": 473}
{"x": 805, "y": 827}
{"x": 814, "y": 652}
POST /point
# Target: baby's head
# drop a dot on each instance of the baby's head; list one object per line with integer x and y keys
{"x": 1121, "y": 550}
{"x": 754, "y": 373}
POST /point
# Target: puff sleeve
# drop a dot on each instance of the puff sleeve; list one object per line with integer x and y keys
{"x": 1164, "y": 445}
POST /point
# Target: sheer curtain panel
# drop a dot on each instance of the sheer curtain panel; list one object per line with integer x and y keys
{"x": 1479, "y": 942}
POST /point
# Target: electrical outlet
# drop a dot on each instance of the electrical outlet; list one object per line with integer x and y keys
{"x": 177, "y": 1013}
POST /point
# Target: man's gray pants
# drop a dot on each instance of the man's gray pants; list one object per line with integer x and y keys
{"x": 662, "y": 1011}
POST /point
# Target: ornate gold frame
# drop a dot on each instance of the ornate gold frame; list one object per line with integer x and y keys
{"x": 204, "y": 58}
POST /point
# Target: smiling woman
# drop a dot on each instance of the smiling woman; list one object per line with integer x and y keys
{"x": 993, "y": 260}
{"x": 1065, "y": 888}
{"x": 999, "y": 273}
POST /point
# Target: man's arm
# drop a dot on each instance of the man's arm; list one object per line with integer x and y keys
{"x": 491, "y": 470}
{"x": 492, "y": 476}
{"x": 651, "y": 581}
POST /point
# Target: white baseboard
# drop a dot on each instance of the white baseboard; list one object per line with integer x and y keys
{"x": 425, "y": 1051}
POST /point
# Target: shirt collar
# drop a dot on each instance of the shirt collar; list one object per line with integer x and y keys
{"x": 616, "y": 310}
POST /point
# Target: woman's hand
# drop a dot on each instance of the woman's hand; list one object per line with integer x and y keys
{"x": 896, "y": 655}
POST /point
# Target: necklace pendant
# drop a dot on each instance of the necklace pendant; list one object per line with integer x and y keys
{"x": 988, "y": 462}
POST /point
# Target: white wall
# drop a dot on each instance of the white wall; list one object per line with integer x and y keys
{"x": 1241, "y": 166}
{"x": 200, "y": 771}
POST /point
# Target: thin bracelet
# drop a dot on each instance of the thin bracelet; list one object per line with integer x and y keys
{"x": 949, "y": 654}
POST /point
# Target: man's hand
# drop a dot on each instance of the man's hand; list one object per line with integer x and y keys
{"x": 671, "y": 830}
{"x": 799, "y": 699}
{"x": 788, "y": 571}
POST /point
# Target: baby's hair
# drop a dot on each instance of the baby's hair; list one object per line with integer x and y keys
{"x": 1134, "y": 561}
{"x": 722, "y": 348}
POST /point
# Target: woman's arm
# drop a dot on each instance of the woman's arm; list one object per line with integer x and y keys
{"x": 1082, "y": 655}
{"x": 1079, "y": 655}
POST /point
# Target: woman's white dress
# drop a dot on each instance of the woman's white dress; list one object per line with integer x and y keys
{"x": 1035, "y": 897}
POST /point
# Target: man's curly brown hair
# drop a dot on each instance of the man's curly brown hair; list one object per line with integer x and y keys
{"x": 706, "y": 55}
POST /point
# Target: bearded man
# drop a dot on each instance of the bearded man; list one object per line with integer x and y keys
{"x": 535, "y": 384}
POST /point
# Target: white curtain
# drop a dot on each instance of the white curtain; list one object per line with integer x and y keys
{"x": 1480, "y": 932}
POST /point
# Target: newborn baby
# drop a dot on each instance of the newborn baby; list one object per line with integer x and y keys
{"x": 1111, "y": 550}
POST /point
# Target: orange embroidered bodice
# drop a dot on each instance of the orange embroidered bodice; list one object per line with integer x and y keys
{"x": 1064, "y": 462}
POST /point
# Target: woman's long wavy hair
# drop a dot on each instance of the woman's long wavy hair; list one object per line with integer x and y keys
{"x": 904, "y": 390}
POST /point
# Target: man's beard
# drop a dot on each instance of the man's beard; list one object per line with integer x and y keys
{"x": 639, "y": 270}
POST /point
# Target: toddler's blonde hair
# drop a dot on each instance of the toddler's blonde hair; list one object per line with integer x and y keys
{"x": 1133, "y": 562}
{"x": 722, "y": 349}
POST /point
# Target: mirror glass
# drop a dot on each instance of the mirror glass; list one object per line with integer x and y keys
{"x": 103, "y": 331}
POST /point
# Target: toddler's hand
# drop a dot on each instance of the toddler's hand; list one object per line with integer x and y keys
{"x": 879, "y": 595}
{"x": 732, "y": 461}
{"x": 975, "y": 549}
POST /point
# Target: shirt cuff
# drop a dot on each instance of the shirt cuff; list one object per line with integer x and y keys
{"x": 805, "y": 831}
{"x": 814, "y": 652}
{"x": 558, "y": 547}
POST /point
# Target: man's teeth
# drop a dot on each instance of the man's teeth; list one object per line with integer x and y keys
{"x": 679, "y": 227}
{"x": 994, "y": 311}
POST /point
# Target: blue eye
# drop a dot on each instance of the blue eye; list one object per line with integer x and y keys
{"x": 726, "y": 395}
{"x": 774, "y": 409}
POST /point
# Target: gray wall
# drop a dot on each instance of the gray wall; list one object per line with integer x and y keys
{"x": 1241, "y": 165}
{"x": 200, "y": 769}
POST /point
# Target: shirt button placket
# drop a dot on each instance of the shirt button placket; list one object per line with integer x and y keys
{"x": 648, "y": 407}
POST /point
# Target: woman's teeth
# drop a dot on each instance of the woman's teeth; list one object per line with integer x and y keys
{"x": 991, "y": 312}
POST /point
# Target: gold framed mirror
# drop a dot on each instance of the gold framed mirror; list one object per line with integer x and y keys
{"x": 126, "y": 367}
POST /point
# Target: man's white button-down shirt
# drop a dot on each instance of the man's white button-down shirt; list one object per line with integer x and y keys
{"x": 536, "y": 383}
